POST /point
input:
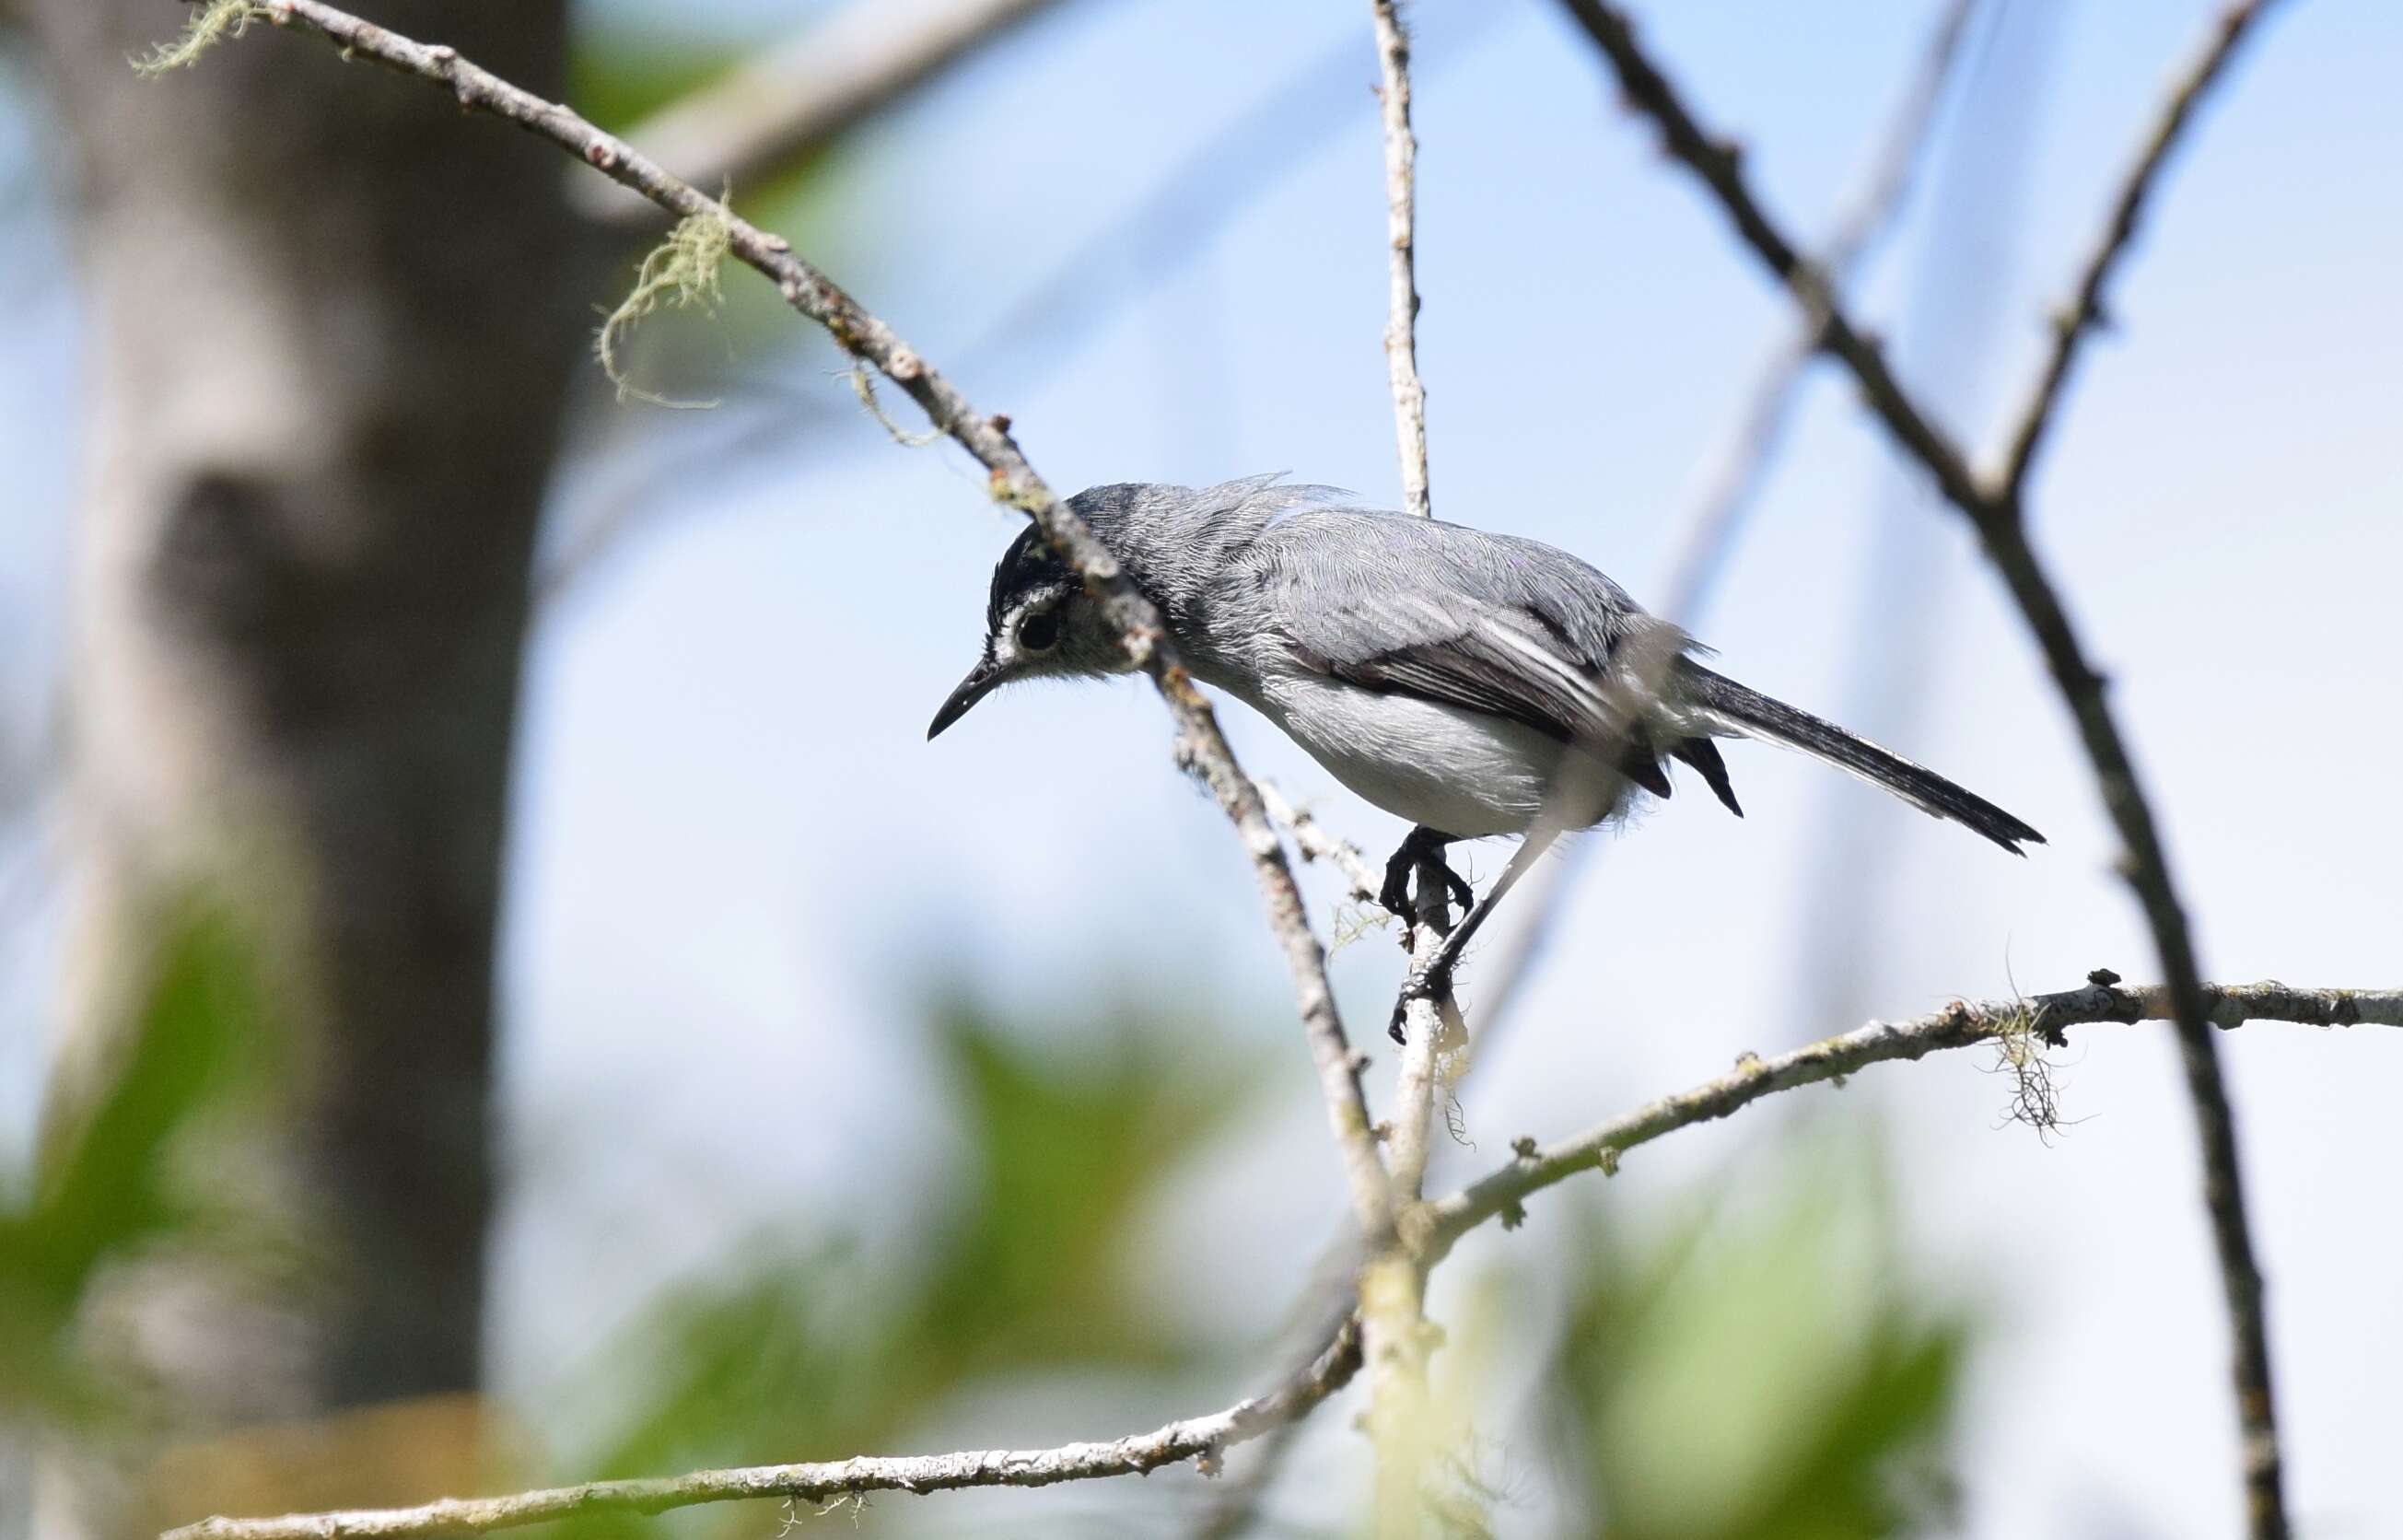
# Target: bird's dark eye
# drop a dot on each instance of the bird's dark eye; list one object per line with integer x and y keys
{"x": 1039, "y": 630}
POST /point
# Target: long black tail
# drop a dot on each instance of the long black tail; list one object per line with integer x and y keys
{"x": 1726, "y": 705}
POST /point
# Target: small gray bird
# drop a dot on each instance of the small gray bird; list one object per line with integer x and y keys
{"x": 1454, "y": 678}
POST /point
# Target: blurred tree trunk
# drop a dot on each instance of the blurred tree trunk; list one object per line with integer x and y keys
{"x": 328, "y": 328}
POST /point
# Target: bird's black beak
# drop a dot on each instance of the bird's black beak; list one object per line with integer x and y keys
{"x": 975, "y": 687}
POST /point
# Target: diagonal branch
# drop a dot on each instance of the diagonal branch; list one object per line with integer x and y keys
{"x": 798, "y": 97}
{"x": 2085, "y": 314}
{"x": 1198, "y": 1438}
{"x": 2015, "y": 1024}
{"x": 1201, "y": 746}
{"x": 1995, "y": 513}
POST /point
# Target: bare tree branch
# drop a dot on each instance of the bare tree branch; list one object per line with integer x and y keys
{"x": 1401, "y": 236}
{"x": 1201, "y": 746}
{"x": 785, "y": 104}
{"x": 2085, "y": 314}
{"x": 1995, "y": 513}
{"x": 1393, "y": 1284}
{"x": 1714, "y": 517}
{"x": 1201, "y": 1438}
{"x": 1415, "y": 1092}
{"x": 2041, "y": 1020}
{"x": 1994, "y": 509}
{"x": 1315, "y": 843}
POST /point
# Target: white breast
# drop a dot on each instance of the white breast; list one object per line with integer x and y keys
{"x": 1465, "y": 773}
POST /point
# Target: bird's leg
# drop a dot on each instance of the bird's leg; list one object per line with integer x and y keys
{"x": 1423, "y": 845}
{"x": 1432, "y": 979}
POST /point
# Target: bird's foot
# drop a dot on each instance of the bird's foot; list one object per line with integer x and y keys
{"x": 1431, "y": 983}
{"x": 1422, "y": 847}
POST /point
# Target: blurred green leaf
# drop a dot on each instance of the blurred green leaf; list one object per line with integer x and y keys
{"x": 1767, "y": 1372}
{"x": 1068, "y": 1139}
{"x": 801, "y": 1349}
{"x": 618, "y": 77}
{"x": 114, "y": 1179}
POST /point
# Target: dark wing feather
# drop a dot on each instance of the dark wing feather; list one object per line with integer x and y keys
{"x": 1475, "y": 668}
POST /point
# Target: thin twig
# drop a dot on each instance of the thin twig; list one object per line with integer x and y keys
{"x": 1316, "y": 843}
{"x": 1716, "y": 516}
{"x": 1720, "y": 165}
{"x": 1202, "y": 1439}
{"x": 1401, "y": 238}
{"x": 1713, "y": 520}
{"x": 789, "y": 101}
{"x": 2085, "y": 314}
{"x": 1201, "y": 746}
{"x": 1995, "y": 511}
{"x": 1156, "y": 236}
{"x": 2041, "y": 1019}
{"x": 1393, "y": 1285}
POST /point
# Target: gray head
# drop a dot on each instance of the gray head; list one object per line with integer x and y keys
{"x": 1039, "y": 623}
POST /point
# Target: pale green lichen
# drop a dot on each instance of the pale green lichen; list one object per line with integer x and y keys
{"x": 210, "y": 24}
{"x": 2036, "y": 1100}
{"x": 864, "y": 386}
{"x": 682, "y": 272}
{"x": 1354, "y": 921}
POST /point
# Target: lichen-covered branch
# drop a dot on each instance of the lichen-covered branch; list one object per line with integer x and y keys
{"x": 1198, "y": 1438}
{"x": 1994, "y": 509}
{"x": 1201, "y": 745}
{"x": 2017, "y": 1024}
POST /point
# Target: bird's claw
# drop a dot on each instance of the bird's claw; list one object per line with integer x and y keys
{"x": 1423, "y": 984}
{"x": 1395, "y": 895}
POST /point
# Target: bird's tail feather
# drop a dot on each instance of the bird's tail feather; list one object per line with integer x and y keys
{"x": 1725, "y": 704}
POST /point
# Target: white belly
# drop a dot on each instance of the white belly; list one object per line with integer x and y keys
{"x": 1464, "y": 772}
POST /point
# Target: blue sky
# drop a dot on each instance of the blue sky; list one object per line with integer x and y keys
{"x": 735, "y": 853}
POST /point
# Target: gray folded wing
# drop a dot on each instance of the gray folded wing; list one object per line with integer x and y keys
{"x": 1488, "y": 622}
